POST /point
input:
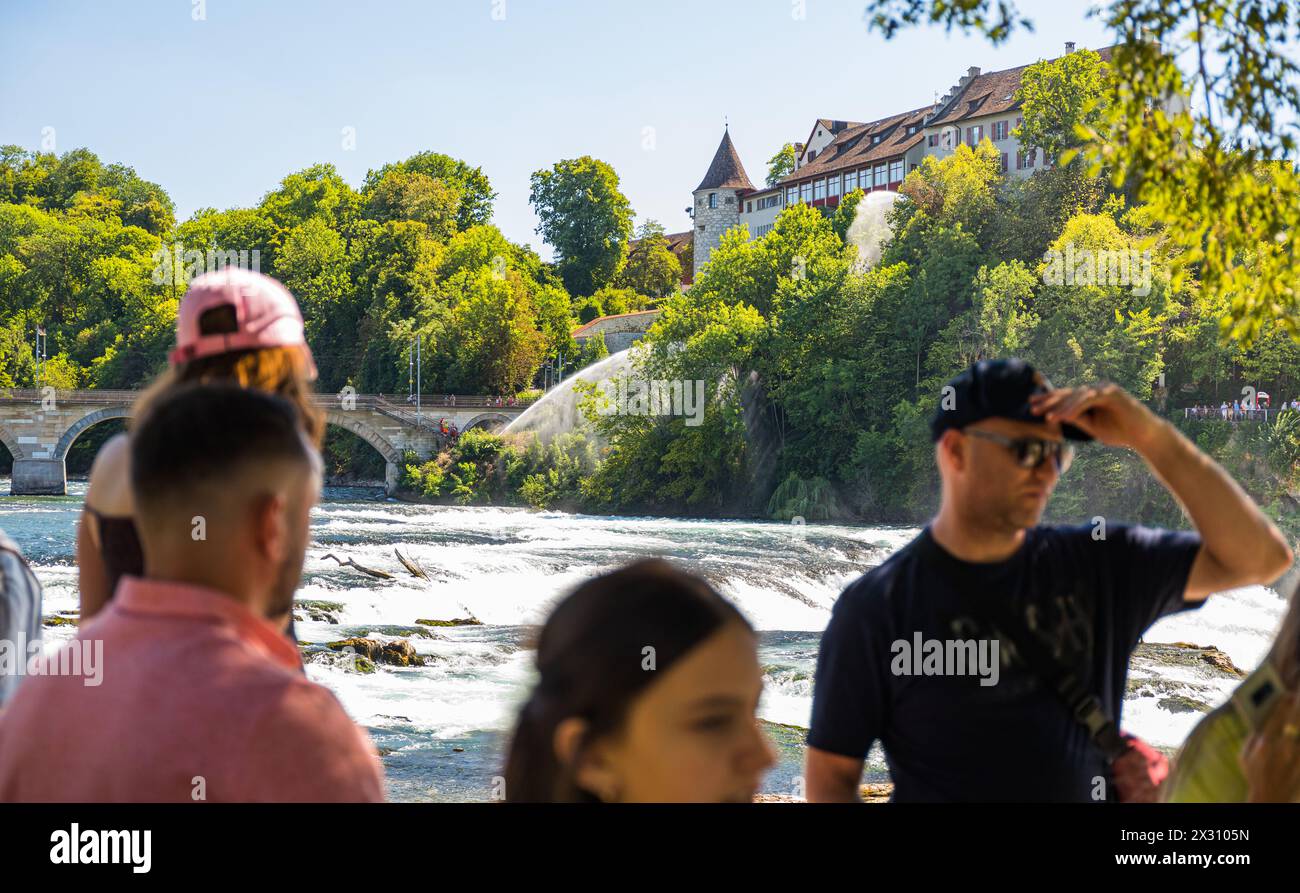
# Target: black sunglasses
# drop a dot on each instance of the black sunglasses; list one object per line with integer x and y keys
{"x": 1031, "y": 452}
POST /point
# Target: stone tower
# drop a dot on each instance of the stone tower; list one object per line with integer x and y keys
{"x": 717, "y": 200}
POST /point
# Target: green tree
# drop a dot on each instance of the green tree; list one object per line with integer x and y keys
{"x": 469, "y": 184}
{"x": 652, "y": 268}
{"x": 405, "y": 195}
{"x": 396, "y": 268}
{"x": 1060, "y": 98}
{"x": 1212, "y": 171}
{"x": 317, "y": 191}
{"x": 585, "y": 218}
{"x": 781, "y": 165}
{"x": 313, "y": 263}
{"x": 493, "y": 334}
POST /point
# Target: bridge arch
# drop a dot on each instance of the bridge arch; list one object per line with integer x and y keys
{"x": 11, "y": 443}
{"x": 348, "y": 421}
{"x": 69, "y": 437}
{"x": 492, "y": 421}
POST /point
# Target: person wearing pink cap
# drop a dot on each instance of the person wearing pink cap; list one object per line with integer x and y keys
{"x": 233, "y": 326}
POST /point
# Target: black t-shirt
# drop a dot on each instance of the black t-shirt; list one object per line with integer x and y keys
{"x": 950, "y": 738}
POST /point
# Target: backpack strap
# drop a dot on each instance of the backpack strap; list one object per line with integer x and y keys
{"x": 1082, "y": 704}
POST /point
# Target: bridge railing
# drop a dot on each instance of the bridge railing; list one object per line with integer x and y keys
{"x": 454, "y": 401}
{"x": 396, "y": 402}
{"x": 1235, "y": 415}
{"x": 39, "y": 395}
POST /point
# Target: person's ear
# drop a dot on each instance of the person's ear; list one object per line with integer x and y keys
{"x": 270, "y": 525}
{"x": 953, "y": 447}
{"x": 586, "y": 761}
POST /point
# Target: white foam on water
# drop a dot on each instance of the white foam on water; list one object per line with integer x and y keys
{"x": 508, "y": 566}
{"x": 445, "y": 700}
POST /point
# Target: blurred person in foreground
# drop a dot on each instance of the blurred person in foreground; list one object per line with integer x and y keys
{"x": 648, "y": 685}
{"x": 1248, "y": 749}
{"x": 235, "y": 326}
{"x": 1061, "y": 608}
{"x": 198, "y": 694}
{"x": 20, "y": 616}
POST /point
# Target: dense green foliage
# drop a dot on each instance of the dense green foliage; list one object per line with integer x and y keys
{"x": 93, "y": 254}
{"x": 484, "y": 468}
{"x": 652, "y": 269}
{"x": 822, "y": 378}
{"x": 585, "y": 218}
{"x": 781, "y": 165}
{"x": 1210, "y": 151}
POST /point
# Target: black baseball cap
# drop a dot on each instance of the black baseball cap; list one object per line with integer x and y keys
{"x": 993, "y": 389}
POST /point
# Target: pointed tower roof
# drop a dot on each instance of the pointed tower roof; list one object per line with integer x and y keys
{"x": 726, "y": 171}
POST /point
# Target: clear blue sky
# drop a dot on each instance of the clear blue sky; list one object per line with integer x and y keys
{"x": 217, "y": 111}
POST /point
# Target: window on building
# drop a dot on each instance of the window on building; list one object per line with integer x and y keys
{"x": 895, "y": 171}
{"x": 713, "y": 199}
{"x": 1000, "y": 130}
{"x": 932, "y": 140}
{"x": 882, "y": 172}
{"x": 974, "y": 135}
{"x": 1004, "y": 162}
{"x": 1031, "y": 158}
{"x": 819, "y": 190}
{"x": 850, "y": 182}
{"x": 805, "y": 191}
{"x": 1020, "y": 160}
{"x": 791, "y": 195}
{"x": 833, "y": 186}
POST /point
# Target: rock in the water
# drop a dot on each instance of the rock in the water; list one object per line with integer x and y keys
{"x": 460, "y": 621}
{"x": 1189, "y": 655}
{"x": 399, "y": 632}
{"x": 1183, "y": 704}
{"x": 357, "y": 663}
{"x": 311, "y": 609}
{"x": 399, "y": 652}
{"x": 870, "y": 793}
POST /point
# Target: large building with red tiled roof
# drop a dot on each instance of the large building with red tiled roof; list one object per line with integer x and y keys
{"x": 840, "y": 156}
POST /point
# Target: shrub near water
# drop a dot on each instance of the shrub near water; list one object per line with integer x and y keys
{"x": 484, "y": 468}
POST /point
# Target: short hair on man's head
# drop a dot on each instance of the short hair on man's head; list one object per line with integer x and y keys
{"x": 204, "y": 435}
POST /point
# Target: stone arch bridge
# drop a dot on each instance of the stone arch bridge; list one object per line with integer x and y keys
{"x": 40, "y": 426}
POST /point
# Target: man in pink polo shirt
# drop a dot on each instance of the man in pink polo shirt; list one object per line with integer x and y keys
{"x": 185, "y": 688}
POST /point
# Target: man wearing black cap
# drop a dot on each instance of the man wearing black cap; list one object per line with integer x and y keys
{"x": 1073, "y": 601}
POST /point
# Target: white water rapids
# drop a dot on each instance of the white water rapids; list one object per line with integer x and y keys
{"x": 442, "y": 727}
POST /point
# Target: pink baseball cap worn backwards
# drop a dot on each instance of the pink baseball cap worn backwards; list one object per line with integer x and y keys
{"x": 266, "y": 315}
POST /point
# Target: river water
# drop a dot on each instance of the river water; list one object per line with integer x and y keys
{"x": 441, "y": 728}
